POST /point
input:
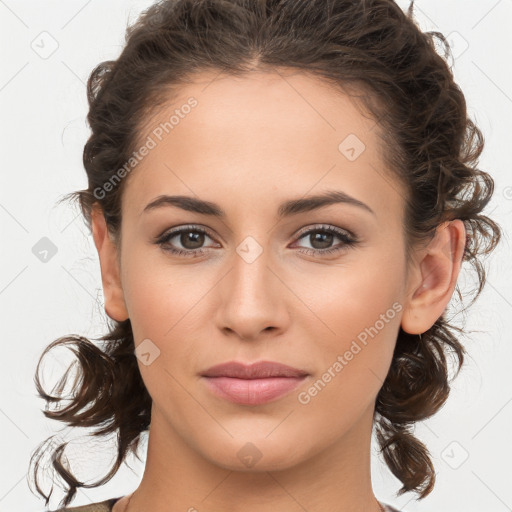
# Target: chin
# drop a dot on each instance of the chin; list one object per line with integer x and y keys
{"x": 255, "y": 454}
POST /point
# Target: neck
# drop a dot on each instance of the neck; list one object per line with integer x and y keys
{"x": 177, "y": 477}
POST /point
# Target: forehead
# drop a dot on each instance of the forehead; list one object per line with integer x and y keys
{"x": 287, "y": 133}
{"x": 296, "y": 103}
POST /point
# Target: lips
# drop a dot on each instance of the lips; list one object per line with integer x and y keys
{"x": 254, "y": 384}
{"x": 260, "y": 370}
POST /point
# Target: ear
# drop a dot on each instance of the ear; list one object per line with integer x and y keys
{"x": 434, "y": 278}
{"x": 115, "y": 306}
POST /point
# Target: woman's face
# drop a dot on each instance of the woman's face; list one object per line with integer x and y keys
{"x": 318, "y": 285}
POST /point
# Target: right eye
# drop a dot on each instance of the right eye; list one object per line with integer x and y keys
{"x": 191, "y": 245}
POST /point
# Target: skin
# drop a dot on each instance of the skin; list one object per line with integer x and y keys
{"x": 250, "y": 144}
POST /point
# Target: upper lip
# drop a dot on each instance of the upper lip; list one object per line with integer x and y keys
{"x": 259, "y": 370}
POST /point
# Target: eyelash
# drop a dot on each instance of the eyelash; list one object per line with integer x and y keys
{"x": 349, "y": 240}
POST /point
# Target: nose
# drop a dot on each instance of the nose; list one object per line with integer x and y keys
{"x": 252, "y": 299}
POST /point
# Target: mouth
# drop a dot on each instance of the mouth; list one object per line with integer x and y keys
{"x": 254, "y": 384}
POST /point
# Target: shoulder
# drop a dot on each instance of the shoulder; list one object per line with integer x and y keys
{"x": 102, "y": 506}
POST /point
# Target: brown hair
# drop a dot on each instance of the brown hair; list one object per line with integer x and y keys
{"x": 370, "y": 46}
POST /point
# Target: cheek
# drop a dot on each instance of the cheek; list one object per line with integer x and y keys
{"x": 360, "y": 301}
{"x": 363, "y": 314}
{"x": 353, "y": 296}
{"x": 164, "y": 304}
{"x": 157, "y": 294}
{"x": 360, "y": 311}
{"x": 161, "y": 309}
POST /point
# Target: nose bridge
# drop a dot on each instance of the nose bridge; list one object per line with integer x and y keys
{"x": 249, "y": 277}
{"x": 250, "y": 299}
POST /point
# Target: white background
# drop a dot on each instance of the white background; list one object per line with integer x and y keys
{"x": 43, "y": 108}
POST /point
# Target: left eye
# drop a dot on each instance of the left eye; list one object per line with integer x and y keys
{"x": 323, "y": 237}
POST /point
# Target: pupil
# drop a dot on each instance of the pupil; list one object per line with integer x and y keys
{"x": 322, "y": 238}
{"x": 194, "y": 237}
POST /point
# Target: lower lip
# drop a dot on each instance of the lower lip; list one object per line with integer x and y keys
{"x": 252, "y": 391}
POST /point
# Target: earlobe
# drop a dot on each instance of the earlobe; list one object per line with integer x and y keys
{"x": 436, "y": 277}
{"x": 115, "y": 306}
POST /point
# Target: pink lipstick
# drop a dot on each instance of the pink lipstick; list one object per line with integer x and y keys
{"x": 254, "y": 384}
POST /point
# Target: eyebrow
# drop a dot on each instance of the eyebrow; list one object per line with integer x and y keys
{"x": 286, "y": 209}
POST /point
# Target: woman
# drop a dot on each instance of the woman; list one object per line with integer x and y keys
{"x": 281, "y": 194}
